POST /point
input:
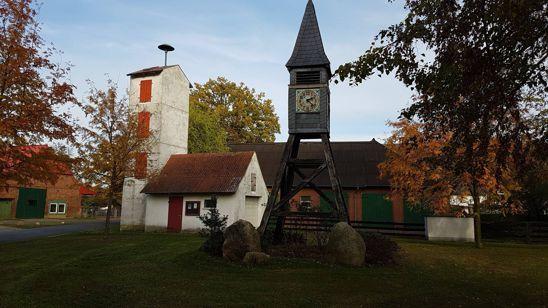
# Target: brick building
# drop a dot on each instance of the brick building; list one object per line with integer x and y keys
{"x": 357, "y": 167}
{"x": 41, "y": 199}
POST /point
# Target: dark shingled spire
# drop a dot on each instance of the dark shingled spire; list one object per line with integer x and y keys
{"x": 309, "y": 49}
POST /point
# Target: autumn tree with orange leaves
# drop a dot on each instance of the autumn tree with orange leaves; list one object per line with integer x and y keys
{"x": 109, "y": 144}
{"x": 418, "y": 170}
{"x": 33, "y": 88}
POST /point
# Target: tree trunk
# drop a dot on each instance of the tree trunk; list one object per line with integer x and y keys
{"x": 109, "y": 210}
{"x": 477, "y": 225}
{"x": 477, "y": 217}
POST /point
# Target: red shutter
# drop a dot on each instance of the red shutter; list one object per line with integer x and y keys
{"x": 145, "y": 91}
{"x": 141, "y": 166}
{"x": 143, "y": 126}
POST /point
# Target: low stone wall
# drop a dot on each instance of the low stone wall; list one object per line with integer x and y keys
{"x": 449, "y": 229}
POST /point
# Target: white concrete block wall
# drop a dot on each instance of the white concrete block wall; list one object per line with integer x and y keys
{"x": 133, "y": 205}
{"x": 449, "y": 229}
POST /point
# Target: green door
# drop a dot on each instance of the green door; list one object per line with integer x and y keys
{"x": 324, "y": 205}
{"x": 413, "y": 214}
{"x": 375, "y": 207}
{"x": 5, "y": 209}
{"x": 31, "y": 203}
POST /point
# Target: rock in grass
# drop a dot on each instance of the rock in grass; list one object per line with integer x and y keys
{"x": 256, "y": 258}
{"x": 240, "y": 238}
{"x": 345, "y": 246}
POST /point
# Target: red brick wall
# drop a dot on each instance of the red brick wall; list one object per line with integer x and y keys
{"x": 66, "y": 189}
{"x": 354, "y": 202}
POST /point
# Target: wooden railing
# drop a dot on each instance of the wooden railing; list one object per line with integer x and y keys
{"x": 530, "y": 231}
{"x": 322, "y": 222}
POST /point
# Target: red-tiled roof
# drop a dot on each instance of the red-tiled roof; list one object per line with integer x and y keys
{"x": 86, "y": 191}
{"x": 201, "y": 174}
{"x": 38, "y": 151}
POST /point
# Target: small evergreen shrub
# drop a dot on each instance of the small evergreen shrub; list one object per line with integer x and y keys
{"x": 380, "y": 249}
{"x": 215, "y": 225}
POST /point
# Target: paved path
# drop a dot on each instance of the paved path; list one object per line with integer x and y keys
{"x": 17, "y": 235}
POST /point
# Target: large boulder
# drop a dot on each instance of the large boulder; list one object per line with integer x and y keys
{"x": 240, "y": 238}
{"x": 345, "y": 246}
{"x": 256, "y": 258}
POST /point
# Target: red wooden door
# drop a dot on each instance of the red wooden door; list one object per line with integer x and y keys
{"x": 175, "y": 214}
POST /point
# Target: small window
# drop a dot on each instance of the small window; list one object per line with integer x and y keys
{"x": 192, "y": 208}
{"x": 310, "y": 77}
{"x": 305, "y": 204}
{"x": 145, "y": 91}
{"x": 253, "y": 182}
{"x": 210, "y": 203}
{"x": 57, "y": 208}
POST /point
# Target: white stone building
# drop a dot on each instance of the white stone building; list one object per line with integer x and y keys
{"x": 191, "y": 184}
{"x": 160, "y": 98}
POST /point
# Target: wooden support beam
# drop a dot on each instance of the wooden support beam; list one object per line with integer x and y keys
{"x": 317, "y": 190}
{"x": 341, "y": 208}
{"x": 283, "y": 188}
{"x": 289, "y": 146}
{"x": 299, "y": 187}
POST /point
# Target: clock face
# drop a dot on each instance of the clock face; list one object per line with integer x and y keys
{"x": 308, "y": 100}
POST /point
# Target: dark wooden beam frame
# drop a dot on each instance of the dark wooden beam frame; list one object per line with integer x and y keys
{"x": 283, "y": 184}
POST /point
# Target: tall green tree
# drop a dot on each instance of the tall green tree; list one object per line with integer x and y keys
{"x": 473, "y": 65}
{"x": 205, "y": 133}
{"x": 245, "y": 115}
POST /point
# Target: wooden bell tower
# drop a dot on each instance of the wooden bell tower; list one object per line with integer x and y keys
{"x": 309, "y": 103}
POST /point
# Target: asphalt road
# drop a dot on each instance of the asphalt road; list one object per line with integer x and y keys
{"x": 16, "y": 235}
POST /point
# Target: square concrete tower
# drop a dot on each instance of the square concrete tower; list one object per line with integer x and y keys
{"x": 159, "y": 96}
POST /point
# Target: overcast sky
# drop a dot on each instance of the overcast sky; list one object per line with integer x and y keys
{"x": 244, "y": 40}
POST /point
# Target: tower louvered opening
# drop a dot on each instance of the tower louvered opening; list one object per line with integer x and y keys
{"x": 310, "y": 77}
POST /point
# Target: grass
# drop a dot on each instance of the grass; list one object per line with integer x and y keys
{"x": 31, "y": 224}
{"x": 43, "y": 222}
{"x": 147, "y": 270}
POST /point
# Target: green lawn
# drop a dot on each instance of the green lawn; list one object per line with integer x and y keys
{"x": 168, "y": 270}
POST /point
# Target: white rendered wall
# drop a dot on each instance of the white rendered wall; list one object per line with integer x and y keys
{"x": 173, "y": 135}
{"x": 449, "y": 229}
{"x": 169, "y": 107}
{"x": 168, "y": 110}
{"x": 225, "y": 204}
{"x": 157, "y": 213}
{"x": 244, "y": 190}
{"x": 133, "y": 205}
{"x": 232, "y": 205}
